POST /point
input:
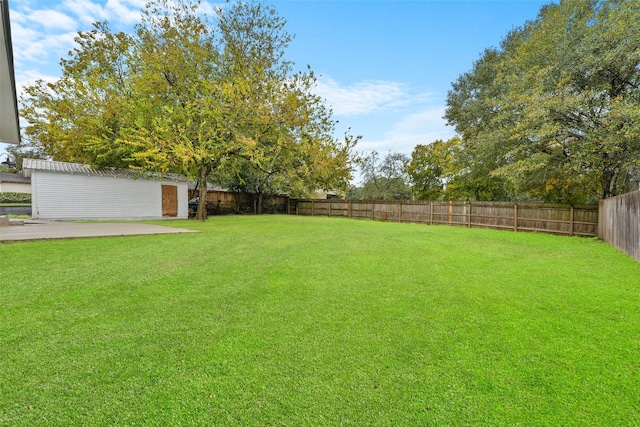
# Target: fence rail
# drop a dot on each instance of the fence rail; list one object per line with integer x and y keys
{"x": 548, "y": 218}
{"x": 619, "y": 223}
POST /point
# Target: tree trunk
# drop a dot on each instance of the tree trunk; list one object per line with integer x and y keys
{"x": 201, "y": 213}
{"x": 607, "y": 181}
{"x": 608, "y": 178}
{"x": 259, "y": 208}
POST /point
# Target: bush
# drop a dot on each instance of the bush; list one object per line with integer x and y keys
{"x": 11, "y": 197}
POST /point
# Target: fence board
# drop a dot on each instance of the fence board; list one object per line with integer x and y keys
{"x": 547, "y": 218}
{"x": 619, "y": 223}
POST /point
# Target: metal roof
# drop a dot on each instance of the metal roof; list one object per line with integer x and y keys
{"x": 14, "y": 177}
{"x": 29, "y": 165}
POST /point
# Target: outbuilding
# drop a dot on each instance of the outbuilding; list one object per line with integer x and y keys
{"x": 72, "y": 191}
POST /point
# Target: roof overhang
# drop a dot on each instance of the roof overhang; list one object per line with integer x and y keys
{"x": 9, "y": 121}
{"x": 50, "y": 166}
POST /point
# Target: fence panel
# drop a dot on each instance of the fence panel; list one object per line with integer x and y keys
{"x": 439, "y": 213}
{"x": 551, "y": 218}
{"x": 548, "y": 218}
{"x": 493, "y": 215}
{"x": 339, "y": 208}
{"x": 361, "y": 210}
{"x": 416, "y": 212}
{"x": 619, "y": 223}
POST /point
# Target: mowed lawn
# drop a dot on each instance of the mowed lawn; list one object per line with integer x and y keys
{"x": 301, "y": 321}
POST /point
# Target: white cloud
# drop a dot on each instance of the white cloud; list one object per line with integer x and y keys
{"x": 38, "y": 35}
{"x": 120, "y": 12}
{"x": 389, "y": 115}
{"x": 361, "y": 98}
{"x": 117, "y": 11}
{"x": 52, "y": 20}
{"x": 38, "y": 48}
{"x": 422, "y": 127}
{"x": 86, "y": 11}
{"x": 43, "y": 32}
{"x": 429, "y": 117}
{"x": 127, "y": 11}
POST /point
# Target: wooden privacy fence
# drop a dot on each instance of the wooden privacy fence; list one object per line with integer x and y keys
{"x": 619, "y": 223}
{"x": 228, "y": 202}
{"x": 548, "y": 218}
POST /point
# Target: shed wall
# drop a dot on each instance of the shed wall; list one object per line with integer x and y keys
{"x": 69, "y": 196}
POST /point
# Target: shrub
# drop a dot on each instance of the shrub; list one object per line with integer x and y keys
{"x": 11, "y": 197}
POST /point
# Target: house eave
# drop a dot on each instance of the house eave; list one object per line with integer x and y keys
{"x": 9, "y": 119}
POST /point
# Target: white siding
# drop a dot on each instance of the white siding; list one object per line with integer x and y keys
{"x": 79, "y": 196}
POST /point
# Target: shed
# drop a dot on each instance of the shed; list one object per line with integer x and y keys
{"x": 61, "y": 190}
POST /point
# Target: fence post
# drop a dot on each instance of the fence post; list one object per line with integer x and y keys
{"x": 450, "y": 212}
{"x": 400, "y": 213}
{"x": 312, "y": 208}
{"x": 330, "y": 208}
{"x": 601, "y": 218}
{"x": 468, "y": 214}
{"x": 350, "y": 206}
{"x": 515, "y": 217}
{"x": 571, "y": 222}
{"x": 373, "y": 209}
{"x": 431, "y": 213}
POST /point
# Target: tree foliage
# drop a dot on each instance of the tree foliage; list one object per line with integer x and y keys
{"x": 554, "y": 113}
{"x": 25, "y": 150}
{"x": 432, "y": 169}
{"x": 427, "y": 170}
{"x": 454, "y": 170}
{"x": 67, "y": 117}
{"x": 189, "y": 94}
{"x": 384, "y": 179}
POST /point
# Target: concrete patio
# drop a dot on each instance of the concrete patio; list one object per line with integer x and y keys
{"x": 44, "y": 230}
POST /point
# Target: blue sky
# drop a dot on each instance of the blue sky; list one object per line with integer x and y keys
{"x": 384, "y": 66}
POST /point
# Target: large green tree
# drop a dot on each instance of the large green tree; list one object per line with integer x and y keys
{"x": 287, "y": 129}
{"x": 428, "y": 169}
{"x": 85, "y": 105}
{"x": 473, "y": 108}
{"x": 187, "y": 94}
{"x": 455, "y": 170}
{"x": 556, "y": 109}
{"x": 432, "y": 169}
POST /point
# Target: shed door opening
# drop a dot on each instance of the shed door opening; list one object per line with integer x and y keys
{"x": 169, "y": 200}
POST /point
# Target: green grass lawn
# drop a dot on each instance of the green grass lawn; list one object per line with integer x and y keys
{"x": 310, "y": 321}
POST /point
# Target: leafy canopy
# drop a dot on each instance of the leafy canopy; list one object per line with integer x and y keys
{"x": 206, "y": 97}
{"x": 383, "y": 178}
{"x": 555, "y": 111}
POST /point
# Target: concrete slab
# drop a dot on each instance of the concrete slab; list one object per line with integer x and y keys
{"x": 42, "y": 230}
